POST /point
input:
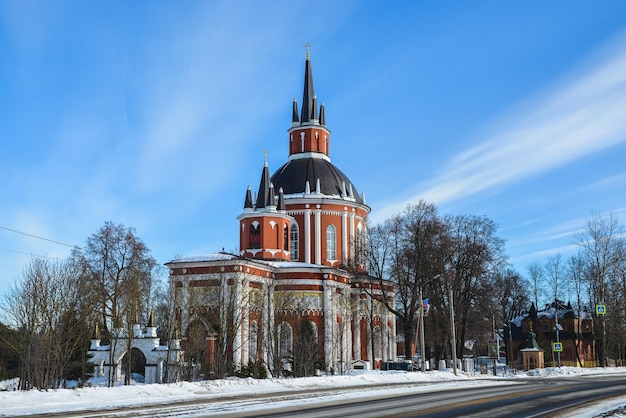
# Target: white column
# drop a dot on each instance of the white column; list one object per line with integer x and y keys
{"x": 344, "y": 237}
{"x": 328, "y": 324}
{"x": 318, "y": 236}
{"x": 243, "y": 307}
{"x": 184, "y": 305}
{"x": 266, "y": 323}
{"x": 307, "y": 236}
{"x": 237, "y": 312}
{"x": 394, "y": 345}
{"x": 356, "y": 330}
{"x": 385, "y": 336}
{"x": 347, "y": 326}
{"x": 352, "y": 235}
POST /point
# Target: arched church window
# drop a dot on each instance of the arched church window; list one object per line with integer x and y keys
{"x": 360, "y": 247}
{"x": 294, "y": 241}
{"x": 285, "y": 334}
{"x": 285, "y": 237}
{"x": 255, "y": 236}
{"x": 331, "y": 243}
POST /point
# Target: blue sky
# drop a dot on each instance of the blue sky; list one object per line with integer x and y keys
{"x": 157, "y": 114}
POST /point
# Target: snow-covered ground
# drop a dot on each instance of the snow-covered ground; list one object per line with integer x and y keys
{"x": 14, "y": 402}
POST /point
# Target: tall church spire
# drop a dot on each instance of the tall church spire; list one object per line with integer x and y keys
{"x": 309, "y": 112}
{"x": 263, "y": 197}
{"x": 308, "y": 133}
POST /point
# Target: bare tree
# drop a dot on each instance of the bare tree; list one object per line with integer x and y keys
{"x": 536, "y": 275}
{"x": 218, "y": 308}
{"x": 555, "y": 276}
{"x": 49, "y": 309}
{"x": 163, "y": 302}
{"x": 509, "y": 290}
{"x": 305, "y": 349}
{"x": 419, "y": 253}
{"x": 406, "y": 251}
{"x": 273, "y": 304}
{"x": 475, "y": 254}
{"x": 119, "y": 267}
{"x": 600, "y": 244}
{"x": 576, "y": 277}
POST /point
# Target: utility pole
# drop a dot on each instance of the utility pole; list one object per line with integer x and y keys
{"x": 557, "y": 328}
{"x": 421, "y": 313}
{"x": 452, "y": 331}
{"x": 509, "y": 353}
{"x": 422, "y": 343}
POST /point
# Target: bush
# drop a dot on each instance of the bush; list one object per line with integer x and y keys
{"x": 254, "y": 369}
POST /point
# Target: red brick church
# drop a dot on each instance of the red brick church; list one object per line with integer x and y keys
{"x": 304, "y": 225}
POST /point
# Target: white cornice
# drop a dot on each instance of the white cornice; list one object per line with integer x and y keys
{"x": 303, "y": 199}
{"x": 304, "y": 155}
{"x": 263, "y": 214}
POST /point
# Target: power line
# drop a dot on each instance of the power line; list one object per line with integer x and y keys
{"x": 23, "y": 252}
{"x": 38, "y": 237}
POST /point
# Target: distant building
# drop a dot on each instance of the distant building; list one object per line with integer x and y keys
{"x": 297, "y": 235}
{"x": 575, "y": 333}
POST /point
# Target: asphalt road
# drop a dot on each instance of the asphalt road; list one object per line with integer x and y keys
{"x": 532, "y": 397}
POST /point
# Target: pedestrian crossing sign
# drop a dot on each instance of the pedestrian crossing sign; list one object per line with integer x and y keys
{"x": 557, "y": 347}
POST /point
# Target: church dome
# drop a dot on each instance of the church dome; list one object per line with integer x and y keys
{"x": 293, "y": 176}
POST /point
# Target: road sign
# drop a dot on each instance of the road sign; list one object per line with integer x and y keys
{"x": 600, "y": 309}
{"x": 493, "y": 350}
{"x": 557, "y": 347}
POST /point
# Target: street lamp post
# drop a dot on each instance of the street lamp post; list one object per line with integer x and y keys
{"x": 421, "y": 313}
{"x": 509, "y": 351}
{"x": 452, "y": 331}
{"x": 422, "y": 344}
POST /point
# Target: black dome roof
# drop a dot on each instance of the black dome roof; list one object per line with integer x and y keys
{"x": 293, "y": 176}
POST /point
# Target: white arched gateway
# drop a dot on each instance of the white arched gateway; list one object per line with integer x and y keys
{"x": 144, "y": 344}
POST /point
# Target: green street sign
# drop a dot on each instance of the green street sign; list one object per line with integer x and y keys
{"x": 600, "y": 309}
{"x": 493, "y": 350}
{"x": 557, "y": 347}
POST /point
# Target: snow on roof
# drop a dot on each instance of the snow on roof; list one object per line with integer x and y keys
{"x": 550, "y": 312}
{"x": 292, "y": 264}
{"x": 229, "y": 257}
{"x": 205, "y": 257}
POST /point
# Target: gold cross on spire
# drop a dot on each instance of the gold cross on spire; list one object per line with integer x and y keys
{"x": 308, "y": 50}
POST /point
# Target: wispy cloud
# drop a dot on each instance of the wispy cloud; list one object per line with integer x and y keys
{"x": 585, "y": 114}
{"x": 618, "y": 179}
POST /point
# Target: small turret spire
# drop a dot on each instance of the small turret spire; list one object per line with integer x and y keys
{"x": 281, "y": 200}
{"x": 263, "y": 196}
{"x": 295, "y": 119}
{"x": 272, "y": 197}
{"x": 248, "y": 202}
{"x": 314, "y": 115}
{"x": 152, "y": 321}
